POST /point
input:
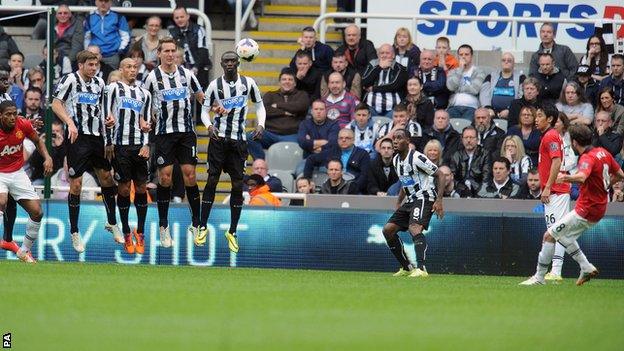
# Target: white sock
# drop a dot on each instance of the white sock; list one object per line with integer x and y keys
{"x": 32, "y": 232}
{"x": 544, "y": 258}
{"x": 574, "y": 250}
{"x": 557, "y": 262}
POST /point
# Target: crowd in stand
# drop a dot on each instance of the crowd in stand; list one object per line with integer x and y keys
{"x": 342, "y": 106}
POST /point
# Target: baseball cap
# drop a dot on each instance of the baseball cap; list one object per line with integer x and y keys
{"x": 583, "y": 70}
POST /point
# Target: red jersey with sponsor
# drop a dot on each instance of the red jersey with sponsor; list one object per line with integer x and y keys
{"x": 598, "y": 165}
{"x": 551, "y": 147}
{"x": 11, "y": 149}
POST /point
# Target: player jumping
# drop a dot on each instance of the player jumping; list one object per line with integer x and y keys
{"x": 227, "y": 97}
{"x": 596, "y": 169}
{"x": 416, "y": 174}
{"x": 13, "y": 180}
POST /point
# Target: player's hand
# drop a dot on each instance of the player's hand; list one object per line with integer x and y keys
{"x": 144, "y": 152}
{"x": 212, "y": 133}
{"x": 72, "y": 132}
{"x": 546, "y": 195}
{"x": 438, "y": 208}
{"x": 257, "y": 134}
{"x": 109, "y": 122}
{"x": 109, "y": 152}
{"x": 220, "y": 110}
{"x": 36, "y": 122}
{"x": 561, "y": 178}
{"x": 48, "y": 166}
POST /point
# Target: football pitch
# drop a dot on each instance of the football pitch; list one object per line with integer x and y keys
{"x": 71, "y": 306}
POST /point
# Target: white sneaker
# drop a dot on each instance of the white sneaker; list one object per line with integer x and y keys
{"x": 165, "y": 238}
{"x": 114, "y": 229}
{"x": 77, "y": 242}
{"x": 585, "y": 276}
{"x": 25, "y": 256}
{"x": 403, "y": 273}
{"x": 533, "y": 281}
{"x": 419, "y": 273}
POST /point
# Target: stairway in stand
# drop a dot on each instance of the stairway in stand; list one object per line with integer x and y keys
{"x": 277, "y": 34}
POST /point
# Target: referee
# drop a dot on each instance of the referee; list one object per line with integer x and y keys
{"x": 77, "y": 102}
{"x": 127, "y": 147}
{"x": 171, "y": 87}
{"x": 227, "y": 98}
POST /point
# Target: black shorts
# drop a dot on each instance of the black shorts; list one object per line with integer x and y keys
{"x": 227, "y": 155}
{"x": 172, "y": 147}
{"x": 129, "y": 165}
{"x": 86, "y": 152}
{"x": 417, "y": 212}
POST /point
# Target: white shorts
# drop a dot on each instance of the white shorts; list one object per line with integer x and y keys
{"x": 570, "y": 227}
{"x": 558, "y": 207}
{"x": 18, "y": 185}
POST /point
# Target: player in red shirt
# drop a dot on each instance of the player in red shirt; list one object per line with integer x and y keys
{"x": 13, "y": 180}
{"x": 596, "y": 170}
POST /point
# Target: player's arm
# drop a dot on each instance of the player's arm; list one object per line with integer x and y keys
{"x": 48, "y": 164}
{"x": 260, "y": 111}
{"x": 107, "y": 113}
{"x": 207, "y": 107}
{"x": 400, "y": 198}
{"x": 145, "y": 125}
{"x": 197, "y": 89}
{"x": 438, "y": 208}
{"x": 555, "y": 166}
{"x": 61, "y": 94}
{"x": 579, "y": 177}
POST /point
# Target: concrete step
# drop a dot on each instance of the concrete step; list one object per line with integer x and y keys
{"x": 295, "y": 10}
{"x": 285, "y": 24}
{"x": 268, "y": 49}
{"x": 301, "y": 2}
{"x": 277, "y": 36}
{"x": 263, "y": 77}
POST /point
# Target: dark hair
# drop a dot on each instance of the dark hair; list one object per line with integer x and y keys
{"x": 303, "y": 178}
{"x": 303, "y": 53}
{"x": 581, "y": 133}
{"x": 362, "y": 106}
{"x": 308, "y": 29}
{"x": 465, "y": 46}
{"x": 317, "y": 101}
{"x": 617, "y": 57}
{"x": 405, "y": 131}
{"x": 256, "y": 178}
{"x": 504, "y": 160}
{"x": 564, "y": 120}
{"x": 604, "y": 55}
{"x": 533, "y": 171}
{"x": 469, "y": 128}
{"x": 18, "y": 53}
{"x": 339, "y": 52}
{"x": 604, "y": 90}
{"x": 333, "y": 159}
{"x": 385, "y": 140}
{"x": 180, "y": 8}
{"x": 399, "y": 108}
{"x": 549, "y": 110}
{"x": 551, "y": 25}
{"x": 546, "y": 54}
{"x": 84, "y": 56}
{"x": 33, "y": 90}
{"x": 417, "y": 78}
{"x": 136, "y": 50}
{"x": 4, "y": 105}
{"x": 287, "y": 71}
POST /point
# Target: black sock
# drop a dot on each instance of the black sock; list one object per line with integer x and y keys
{"x": 236, "y": 207}
{"x": 420, "y": 247}
{"x": 140, "y": 203}
{"x": 192, "y": 195}
{"x": 163, "y": 196}
{"x": 206, "y": 204}
{"x": 123, "y": 202}
{"x": 74, "y": 209}
{"x": 10, "y": 212}
{"x": 396, "y": 247}
{"x": 108, "y": 196}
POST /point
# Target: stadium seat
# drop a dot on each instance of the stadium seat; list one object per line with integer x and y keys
{"x": 32, "y": 60}
{"x": 489, "y": 69}
{"x": 501, "y": 123}
{"x": 460, "y": 123}
{"x": 286, "y": 178}
{"x": 381, "y": 120}
{"x": 284, "y": 155}
{"x": 319, "y": 178}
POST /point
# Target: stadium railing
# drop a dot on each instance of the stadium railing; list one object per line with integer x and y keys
{"x": 240, "y": 18}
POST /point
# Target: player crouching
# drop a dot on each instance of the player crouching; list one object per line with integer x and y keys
{"x": 13, "y": 180}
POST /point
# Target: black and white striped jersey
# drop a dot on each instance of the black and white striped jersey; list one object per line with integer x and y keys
{"x": 365, "y": 138}
{"x": 128, "y": 104}
{"x": 171, "y": 98}
{"x": 234, "y": 98}
{"x": 412, "y": 126}
{"x": 416, "y": 175}
{"x": 5, "y": 97}
{"x": 83, "y": 102}
{"x": 380, "y": 101}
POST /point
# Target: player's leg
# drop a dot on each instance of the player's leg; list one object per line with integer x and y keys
{"x": 420, "y": 217}
{"x": 109, "y": 192}
{"x": 140, "y": 204}
{"x": 216, "y": 155}
{"x": 558, "y": 207}
{"x": 10, "y": 213}
{"x": 186, "y": 154}
{"x": 35, "y": 214}
{"x": 77, "y": 159}
{"x": 566, "y": 231}
{"x": 235, "y": 167}
{"x": 123, "y": 203}
{"x": 164, "y": 154}
{"x": 390, "y": 232}
{"x": 543, "y": 261}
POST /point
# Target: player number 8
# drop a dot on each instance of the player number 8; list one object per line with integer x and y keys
{"x": 560, "y": 227}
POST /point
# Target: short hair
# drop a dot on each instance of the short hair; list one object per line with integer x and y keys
{"x": 444, "y": 40}
{"x": 399, "y": 108}
{"x": 549, "y": 110}
{"x": 166, "y": 40}
{"x": 287, "y": 71}
{"x": 136, "y": 51}
{"x": 18, "y": 53}
{"x": 465, "y": 46}
{"x": 417, "y": 78}
{"x": 546, "y": 54}
{"x": 84, "y": 56}
{"x": 617, "y": 57}
{"x": 533, "y": 171}
{"x": 303, "y": 178}
{"x": 318, "y": 101}
{"x": 256, "y": 178}
{"x": 303, "y": 53}
{"x": 405, "y": 131}
{"x": 308, "y": 29}
{"x": 179, "y": 7}
{"x": 362, "y": 106}
{"x": 4, "y": 105}
{"x": 551, "y": 25}
{"x": 339, "y": 52}
{"x": 33, "y": 90}
{"x": 581, "y": 133}
{"x": 385, "y": 140}
{"x": 467, "y": 128}
{"x": 337, "y": 160}
{"x": 532, "y": 81}
{"x": 36, "y": 70}
{"x": 504, "y": 160}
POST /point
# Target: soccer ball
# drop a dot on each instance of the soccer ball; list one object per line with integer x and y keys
{"x": 247, "y": 49}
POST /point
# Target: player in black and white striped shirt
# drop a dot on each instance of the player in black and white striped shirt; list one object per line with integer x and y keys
{"x": 4, "y": 86}
{"x": 416, "y": 174}
{"x": 227, "y": 97}
{"x": 78, "y": 103}
{"x": 127, "y": 147}
{"x": 171, "y": 87}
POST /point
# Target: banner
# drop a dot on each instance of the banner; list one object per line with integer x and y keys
{"x": 306, "y": 238}
{"x": 491, "y": 35}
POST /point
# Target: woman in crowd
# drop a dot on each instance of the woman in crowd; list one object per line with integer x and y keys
{"x": 407, "y": 53}
{"x": 521, "y": 163}
{"x": 419, "y": 108}
{"x": 528, "y": 134}
{"x": 606, "y": 102}
{"x": 530, "y": 92}
{"x": 433, "y": 151}
{"x": 572, "y": 102}
{"x": 596, "y": 57}
{"x": 148, "y": 42}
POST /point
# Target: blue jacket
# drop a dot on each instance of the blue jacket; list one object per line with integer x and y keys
{"x": 357, "y": 164}
{"x": 322, "y": 55}
{"x": 326, "y": 131}
{"x": 110, "y": 32}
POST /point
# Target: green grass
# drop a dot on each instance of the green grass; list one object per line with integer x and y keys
{"x": 68, "y": 306}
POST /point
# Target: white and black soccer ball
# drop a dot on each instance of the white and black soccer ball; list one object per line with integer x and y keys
{"x": 247, "y": 49}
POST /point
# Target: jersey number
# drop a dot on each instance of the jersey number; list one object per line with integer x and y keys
{"x": 550, "y": 219}
{"x": 606, "y": 177}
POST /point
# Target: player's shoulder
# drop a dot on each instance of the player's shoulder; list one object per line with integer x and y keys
{"x": 250, "y": 81}
{"x": 23, "y": 123}
{"x": 552, "y": 134}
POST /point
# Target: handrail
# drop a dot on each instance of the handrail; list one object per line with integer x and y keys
{"x": 131, "y": 10}
{"x": 239, "y": 21}
{"x": 322, "y": 29}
